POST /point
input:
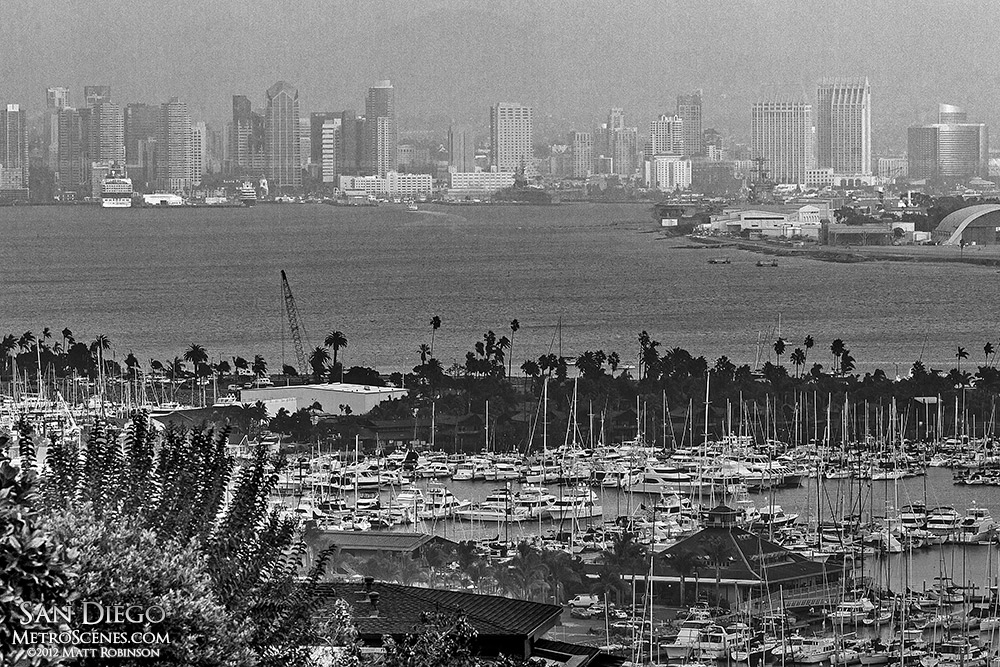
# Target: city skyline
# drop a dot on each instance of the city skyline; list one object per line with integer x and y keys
{"x": 730, "y": 53}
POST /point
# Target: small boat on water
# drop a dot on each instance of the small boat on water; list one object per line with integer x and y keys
{"x": 772, "y": 262}
{"x": 719, "y": 260}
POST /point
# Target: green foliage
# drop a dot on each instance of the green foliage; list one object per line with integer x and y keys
{"x": 34, "y": 568}
{"x": 442, "y": 640}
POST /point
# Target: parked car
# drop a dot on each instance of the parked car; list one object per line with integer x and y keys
{"x": 584, "y": 601}
{"x": 585, "y": 612}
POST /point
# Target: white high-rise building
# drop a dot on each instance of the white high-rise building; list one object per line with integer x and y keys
{"x": 281, "y": 132}
{"x": 107, "y": 133}
{"x": 781, "y": 134}
{"x": 666, "y": 136}
{"x": 199, "y": 132}
{"x": 173, "y": 153}
{"x": 582, "y": 147}
{"x": 380, "y": 121}
{"x": 330, "y": 141}
{"x": 844, "y": 126}
{"x": 13, "y": 149}
{"x": 668, "y": 173}
{"x": 511, "y": 131}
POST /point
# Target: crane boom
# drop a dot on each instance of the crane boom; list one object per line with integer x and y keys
{"x": 293, "y": 324}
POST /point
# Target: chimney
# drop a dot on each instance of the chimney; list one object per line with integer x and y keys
{"x": 368, "y": 584}
{"x": 373, "y": 598}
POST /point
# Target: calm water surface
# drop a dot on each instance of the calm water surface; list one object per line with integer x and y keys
{"x": 156, "y": 281}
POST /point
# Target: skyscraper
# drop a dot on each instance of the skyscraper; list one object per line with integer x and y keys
{"x": 13, "y": 150}
{"x": 511, "y": 133}
{"x": 952, "y": 148}
{"x": 281, "y": 131}
{"x": 56, "y": 98}
{"x": 94, "y": 95}
{"x": 70, "y": 169}
{"x": 247, "y": 140}
{"x": 107, "y": 133}
{"x": 380, "y": 123}
{"x": 461, "y": 149}
{"x": 666, "y": 136}
{"x": 844, "y": 126}
{"x": 142, "y": 127}
{"x": 689, "y": 111}
{"x": 173, "y": 155}
{"x": 781, "y": 135}
{"x": 199, "y": 145}
{"x": 582, "y": 147}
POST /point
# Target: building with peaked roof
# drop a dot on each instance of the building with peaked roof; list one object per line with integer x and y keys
{"x": 281, "y": 131}
{"x": 369, "y": 543}
{"x": 744, "y": 565}
{"x": 505, "y": 626}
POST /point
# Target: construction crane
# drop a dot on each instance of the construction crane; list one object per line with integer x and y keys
{"x": 293, "y": 324}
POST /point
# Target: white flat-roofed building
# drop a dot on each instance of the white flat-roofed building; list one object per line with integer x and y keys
{"x": 478, "y": 183}
{"x": 163, "y": 199}
{"x": 393, "y": 185}
{"x": 361, "y": 398}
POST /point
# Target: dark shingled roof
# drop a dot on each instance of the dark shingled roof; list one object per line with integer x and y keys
{"x": 400, "y": 609}
{"x": 564, "y": 652}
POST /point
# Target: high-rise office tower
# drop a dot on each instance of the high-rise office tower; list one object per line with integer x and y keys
{"x": 952, "y": 148}
{"x": 142, "y": 127}
{"x": 666, "y": 136}
{"x": 107, "y": 133}
{"x": 625, "y": 150}
{"x": 173, "y": 155}
{"x": 380, "y": 122}
{"x": 199, "y": 145}
{"x": 56, "y": 98}
{"x": 511, "y": 132}
{"x": 70, "y": 162}
{"x": 461, "y": 149}
{"x": 948, "y": 113}
{"x": 844, "y": 126}
{"x": 281, "y": 131}
{"x": 616, "y": 119}
{"x": 305, "y": 143}
{"x": 13, "y": 149}
{"x": 582, "y": 147}
{"x": 689, "y": 111}
{"x": 94, "y": 95}
{"x": 781, "y": 133}
{"x": 328, "y": 122}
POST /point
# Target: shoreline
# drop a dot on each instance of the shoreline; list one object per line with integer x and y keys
{"x": 976, "y": 256}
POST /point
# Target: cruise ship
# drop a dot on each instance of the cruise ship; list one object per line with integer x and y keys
{"x": 247, "y": 194}
{"x": 116, "y": 189}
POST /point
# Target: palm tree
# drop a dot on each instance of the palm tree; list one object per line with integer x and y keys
{"x": 837, "y": 350}
{"x": 435, "y": 325}
{"x": 684, "y": 563}
{"x": 779, "y": 349}
{"x": 318, "y": 359}
{"x": 68, "y": 340}
{"x": 132, "y": 363}
{"x": 197, "y": 355}
{"x": 808, "y": 343}
{"x": 961, "y": 354}
{"x": 9, "y": 348}
{"x": 26, "y": 340}
{"x": 259, "y": 367}
{"x": 336, "y": 340}
{"x": 514, "y": 326}
{"x": 424, "y": 350}
{"x": 987, "y": 351}
{"x": 798, "y": 357}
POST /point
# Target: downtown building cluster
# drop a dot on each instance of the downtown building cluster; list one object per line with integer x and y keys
{"x": 277, "y": 147}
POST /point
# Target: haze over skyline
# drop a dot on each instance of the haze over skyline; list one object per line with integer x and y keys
{"x": 451, "y": 60}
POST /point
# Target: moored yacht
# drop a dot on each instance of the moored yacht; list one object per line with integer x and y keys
{"x": 441, "y": 503}
{"x": 577, "y": 503}
{"x": 976, "y": 526}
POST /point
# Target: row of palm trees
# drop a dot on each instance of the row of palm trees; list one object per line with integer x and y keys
{"x": 319, "y": 358}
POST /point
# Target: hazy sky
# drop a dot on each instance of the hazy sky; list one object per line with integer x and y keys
{"x": 451, "y": 59}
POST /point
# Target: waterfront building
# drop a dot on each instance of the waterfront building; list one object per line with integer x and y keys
{"x": 461, "y": 149}
{"x": 666, "y": 136}
{"x": 972, "y": 225}
{"x": 844, "y": 126}
{"x": 333, "y": 397}
{"x": 952, "y": 148}
{"x": 668, "y": 173}
{"x": 771, "y": 222}
{"x": 381, "y": 131}
{"x": 173, "y": 157}
{"x": 395, "y": 184}
{"x": 281, "y": 131}
{"x": 511, "y": 132}
{"x": 324, "y": 146}
{"x": 689, "y": 111}
{"x": 582, "y": 147}
{"x": 107, "y": 133}
{"x": 781, "y": 135}
{"x": 748, "y": 571}
{"x": 473, "y": 184}
{"x": 13, "y": 152}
